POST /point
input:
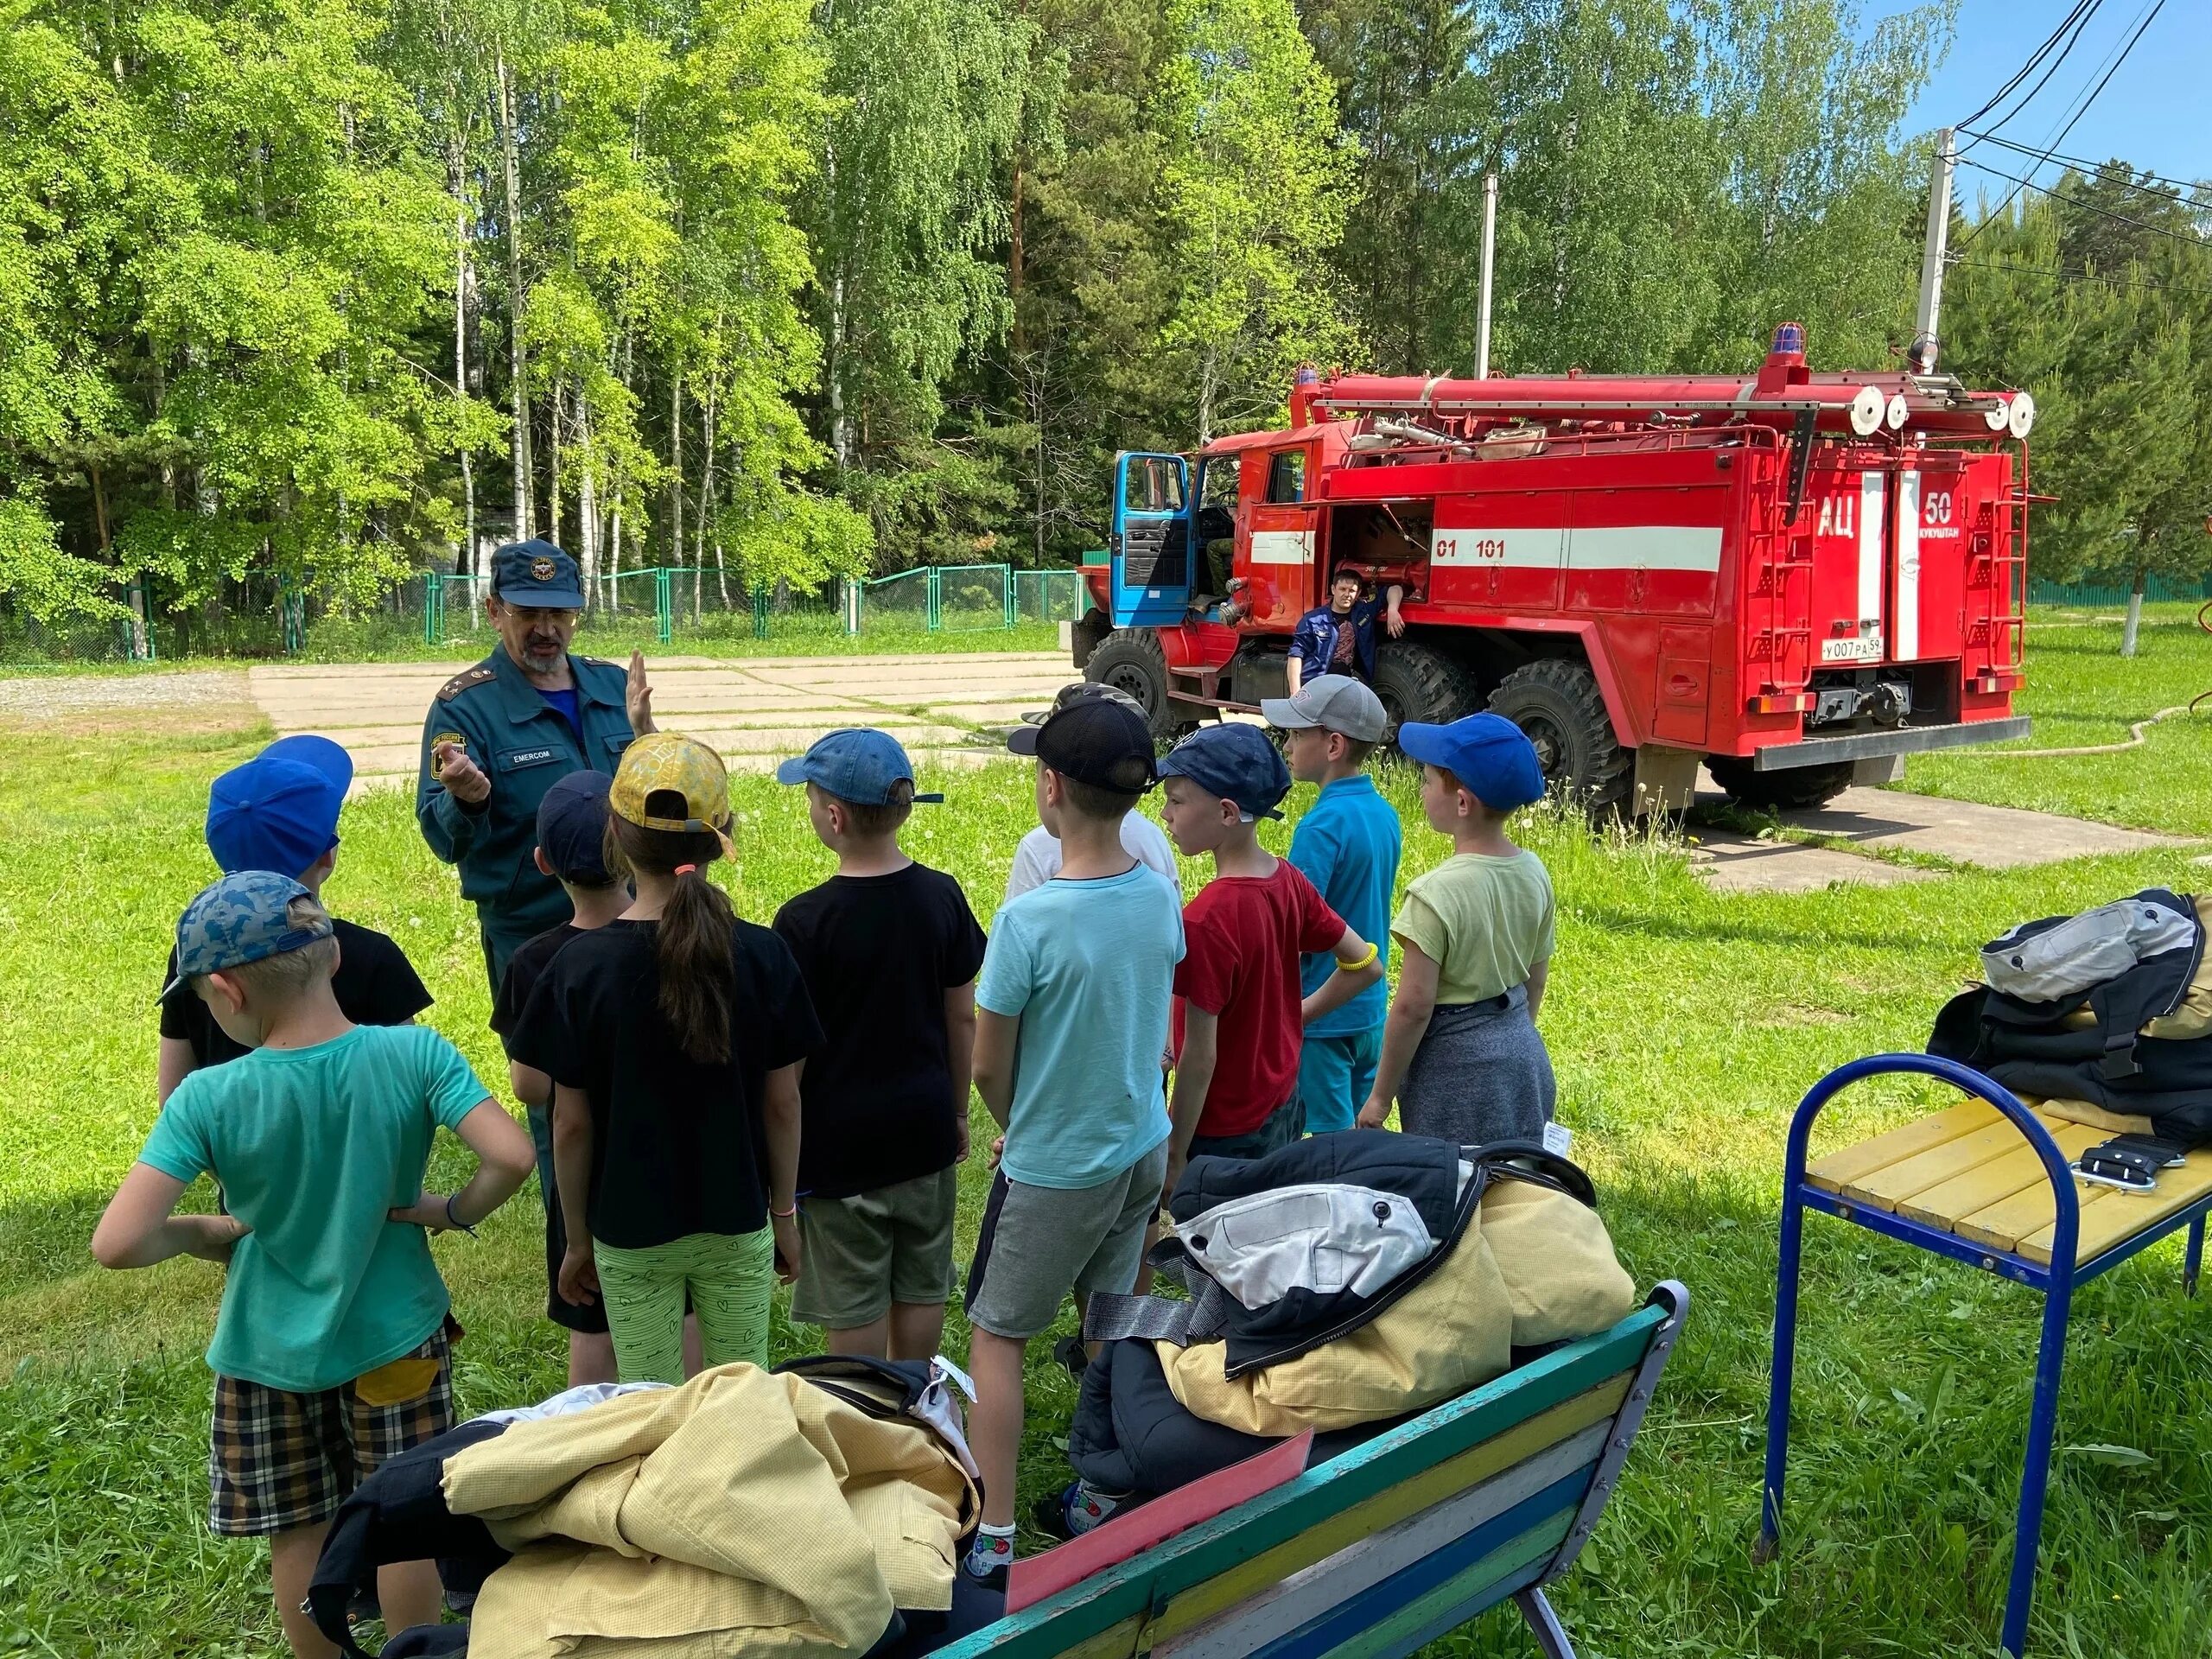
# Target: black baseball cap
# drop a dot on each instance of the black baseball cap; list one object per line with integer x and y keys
{"x": 572, "y": 829}
{"x": 1100, "y": 740}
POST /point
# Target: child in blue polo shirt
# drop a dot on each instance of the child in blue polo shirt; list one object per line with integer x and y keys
{"x": 1347, "y": 844}
{"x": 332, "y": 1351}
{"x": 1460, "y": 1050}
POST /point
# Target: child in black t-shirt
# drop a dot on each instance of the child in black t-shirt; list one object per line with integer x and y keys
{"x": 279, "y": 812}
{"x": 673, "y": 1036}
{"x": 571, "y": 849}
{"x": 889, "y": 950}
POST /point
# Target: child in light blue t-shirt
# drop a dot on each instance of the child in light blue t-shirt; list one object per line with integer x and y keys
{"x": 332, "y": 1350}
{"x": 1071, "y": 1011}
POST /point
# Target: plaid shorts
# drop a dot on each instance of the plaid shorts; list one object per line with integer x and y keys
{"x": 278, "y": 1460}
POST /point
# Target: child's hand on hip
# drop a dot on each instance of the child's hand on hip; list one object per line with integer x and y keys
{"x": 215, "y": 1237}
{"x": 428, "y": 1212}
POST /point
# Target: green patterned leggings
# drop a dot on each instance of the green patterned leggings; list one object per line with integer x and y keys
{"x": 732, "y": 1279}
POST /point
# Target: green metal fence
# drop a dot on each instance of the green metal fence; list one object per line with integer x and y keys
{"x": 264, "y": 614}
{"x": 2094, "y": 594}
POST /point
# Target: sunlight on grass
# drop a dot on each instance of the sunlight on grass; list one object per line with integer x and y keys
{"x": 1684, "y": 1024}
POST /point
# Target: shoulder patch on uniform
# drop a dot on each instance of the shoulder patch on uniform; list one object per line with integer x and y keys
{"x": 461, "y": 681}
{"x": 604, "y": 662}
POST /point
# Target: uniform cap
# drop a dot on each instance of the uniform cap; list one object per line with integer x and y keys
{"x": 672, "y": 763}
{"x": 537, "y": 573}
{"x": 1100, "y": 740}
{"x": 279, "y": 810}
{"x": 1334, "y": 703}
{"x": 242, "y": 918}
{"x": 1488, "y": 754}
{"x": 857, "y": 764}
{"x": 1235, "y": 762}
{"x": 572, "y": 829}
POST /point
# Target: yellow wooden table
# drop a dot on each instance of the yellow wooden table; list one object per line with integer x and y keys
{"x": 1985, "y": 1182}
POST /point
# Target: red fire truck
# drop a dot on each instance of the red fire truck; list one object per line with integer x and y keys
{"x": 1796, "y": 579}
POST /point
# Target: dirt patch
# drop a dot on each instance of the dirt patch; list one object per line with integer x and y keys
{"x": 91, "y": 705}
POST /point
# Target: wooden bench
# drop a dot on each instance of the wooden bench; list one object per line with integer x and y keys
{"x": 1988, "y": 1183}
{"x": 1375, "y": 1552}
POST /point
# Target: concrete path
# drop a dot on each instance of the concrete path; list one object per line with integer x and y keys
{"x": 755, "y": 710}
{"x": 1992, "y": 837}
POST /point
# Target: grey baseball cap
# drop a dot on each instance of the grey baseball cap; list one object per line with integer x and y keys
{"x": 1335, "y": 702}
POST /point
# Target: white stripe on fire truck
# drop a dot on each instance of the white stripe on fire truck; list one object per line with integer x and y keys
{"x": 1904, "y": 629}
{"x": 1870, "y": 548}
{"x": 1282, "y": 547}
{"x": 1613, "y": 547}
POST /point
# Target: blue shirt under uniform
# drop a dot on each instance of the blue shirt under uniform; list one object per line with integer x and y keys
{"x": 313, "y": 1146}
{"x": 564, "y": 704}
{"x": 1089, "y": 968}
{"x": 1347, "y": 845}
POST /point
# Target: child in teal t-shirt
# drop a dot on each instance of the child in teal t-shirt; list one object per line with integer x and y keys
{"x": 332, "y": 1349}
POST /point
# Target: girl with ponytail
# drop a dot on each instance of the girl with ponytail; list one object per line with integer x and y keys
{"x": 673, "y": 1036}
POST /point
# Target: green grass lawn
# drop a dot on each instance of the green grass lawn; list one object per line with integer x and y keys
{"x": 1684, "y": 1025}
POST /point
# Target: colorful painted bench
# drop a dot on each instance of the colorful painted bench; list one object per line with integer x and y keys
{"x": 1376, "y": 1552}
{"x": 1986, "y": 1182}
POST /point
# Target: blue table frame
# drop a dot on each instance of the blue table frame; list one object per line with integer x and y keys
{"x": 2058, "y": 1283}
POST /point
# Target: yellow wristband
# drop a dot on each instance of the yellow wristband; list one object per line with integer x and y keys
{"x": 1374, "y": 949}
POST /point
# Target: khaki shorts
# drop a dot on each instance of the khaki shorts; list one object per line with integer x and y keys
{"x": 860, "y": 1255}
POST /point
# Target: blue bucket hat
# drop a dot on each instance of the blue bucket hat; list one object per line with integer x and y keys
{"x": 1488, "y": 754}
{"x": 537, "y": 573}
{"x": 857, "y": 764}
{"x": 279, "y": 810}
{"x": 1235, "y": 761}
{"x": 239, "y": 919}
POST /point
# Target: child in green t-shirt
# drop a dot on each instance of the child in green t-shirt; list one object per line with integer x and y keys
{"x": 332, "y": 1350}
{"x": 1460, "y": 1050}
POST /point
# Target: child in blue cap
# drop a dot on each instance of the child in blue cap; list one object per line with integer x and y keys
{"x": 1460, "y": 1051}
{"x": 889, "y": 950}
{"x": 279, "y": 812}
{"x": 333, "y": 1349}
{"x": 1240, "y": 1009}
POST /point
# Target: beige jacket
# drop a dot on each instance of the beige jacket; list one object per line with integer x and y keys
{"x": 1533, "y": 1266}
{"x": 741, "y": 1513}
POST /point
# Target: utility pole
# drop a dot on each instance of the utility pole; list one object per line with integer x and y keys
{"x": 1490, "y": 246}
{"x": 1926, "y": 341}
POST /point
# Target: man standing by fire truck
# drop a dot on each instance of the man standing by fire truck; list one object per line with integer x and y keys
{"x": 1338, "y": 638}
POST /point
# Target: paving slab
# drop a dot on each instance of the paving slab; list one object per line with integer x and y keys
{"x": 1965, "y": 832}
{"x": 753, "y": 710}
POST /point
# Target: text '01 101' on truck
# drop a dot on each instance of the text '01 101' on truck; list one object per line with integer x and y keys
{"x": 1797, "y": 579}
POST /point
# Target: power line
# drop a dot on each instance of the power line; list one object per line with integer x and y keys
{"x": 2076, "y": 276}
{"x": 2177, "y": 190}
{"x": 2083, "y": 10}
{"x": 2086, "y": 206}
{"x": 2065, "y": 52}
{"x": 2148, "y": 16}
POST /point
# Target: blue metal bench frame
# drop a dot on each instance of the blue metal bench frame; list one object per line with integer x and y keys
{"x": 2057, "y": 1282}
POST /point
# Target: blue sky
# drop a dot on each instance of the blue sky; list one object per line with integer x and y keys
{"x": 2145, "y": 115}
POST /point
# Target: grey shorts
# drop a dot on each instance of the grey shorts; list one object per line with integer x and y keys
{"x": 860, "y": 1255}
{"x": 1039, "y": 1241}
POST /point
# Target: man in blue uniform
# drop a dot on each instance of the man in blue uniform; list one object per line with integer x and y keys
{"x": 503, "y": 733}
{"x": 1338, "y": 638}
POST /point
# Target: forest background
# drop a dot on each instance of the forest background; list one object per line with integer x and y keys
{"x": 801, "y": 288}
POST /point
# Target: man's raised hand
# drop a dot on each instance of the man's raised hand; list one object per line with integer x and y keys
{"x": 464, "y": 780}
{"x": 638, "y": 697}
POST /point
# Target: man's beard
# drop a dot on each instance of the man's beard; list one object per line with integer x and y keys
{"x": 543, "y": 659}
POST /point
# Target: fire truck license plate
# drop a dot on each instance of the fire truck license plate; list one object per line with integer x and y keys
{"x": 1866, "y": 649}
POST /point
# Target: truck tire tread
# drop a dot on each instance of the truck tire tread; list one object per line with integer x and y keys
{"x": 1598, "y": 770}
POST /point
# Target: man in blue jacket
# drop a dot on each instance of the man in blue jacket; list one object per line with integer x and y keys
{"x": 1338, "y": 638}
{"x": 503, "y": 733}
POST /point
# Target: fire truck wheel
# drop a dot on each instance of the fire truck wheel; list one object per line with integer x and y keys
{"x": 1416, "y": 682}
{"x": 1130, "y": 660}
{"x": 1557, "y": 703}
{"x": 1792, "y": 787}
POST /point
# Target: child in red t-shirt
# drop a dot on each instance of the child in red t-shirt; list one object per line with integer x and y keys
{"x": 1239, "y": 1016}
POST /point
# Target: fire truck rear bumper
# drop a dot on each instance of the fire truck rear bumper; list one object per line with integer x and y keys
{"x": 1867, "y": 745}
